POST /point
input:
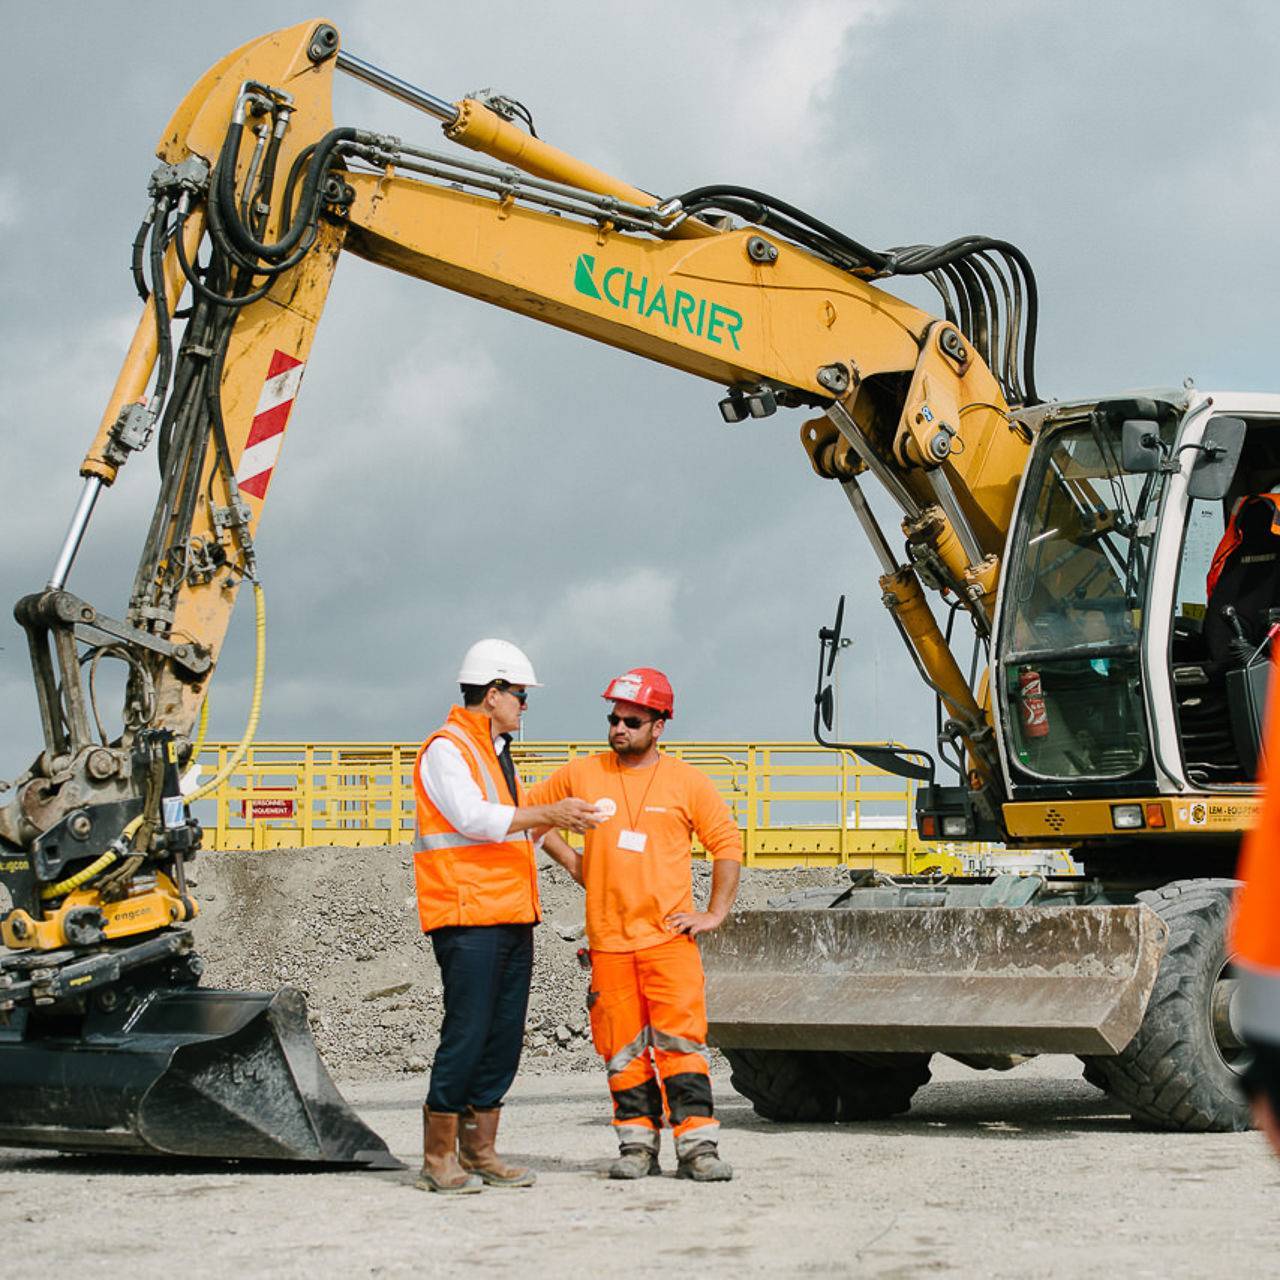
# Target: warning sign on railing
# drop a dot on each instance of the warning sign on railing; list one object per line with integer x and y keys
{"x": 262, "y": 810}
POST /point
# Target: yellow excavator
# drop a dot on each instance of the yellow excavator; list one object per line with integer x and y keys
{"x": 1103, "y": 570}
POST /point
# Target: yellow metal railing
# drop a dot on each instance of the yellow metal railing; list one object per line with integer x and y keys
{"x": 795, "y": 803}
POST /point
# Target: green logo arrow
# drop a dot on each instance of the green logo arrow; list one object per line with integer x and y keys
{"x": 582, "y": 276}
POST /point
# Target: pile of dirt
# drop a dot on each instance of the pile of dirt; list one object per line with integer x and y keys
{"x": 342, "y": 926}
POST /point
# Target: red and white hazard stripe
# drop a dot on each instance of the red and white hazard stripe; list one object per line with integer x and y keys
{"x": 269, "y": 421}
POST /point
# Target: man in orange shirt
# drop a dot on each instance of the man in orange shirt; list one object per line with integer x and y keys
{"x": 647, "y": 1001}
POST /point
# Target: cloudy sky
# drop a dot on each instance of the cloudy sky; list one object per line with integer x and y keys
{"x": 452, "y": 471}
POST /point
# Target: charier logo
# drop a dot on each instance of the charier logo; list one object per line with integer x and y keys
{"x": 628, "y": 292}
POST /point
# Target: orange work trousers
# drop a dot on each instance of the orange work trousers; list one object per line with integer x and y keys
{"x": 649, "y": 1024}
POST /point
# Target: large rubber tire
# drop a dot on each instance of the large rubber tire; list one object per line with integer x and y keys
{"x": 822, "y": 1086}
{"x": 1172, "y": 1074}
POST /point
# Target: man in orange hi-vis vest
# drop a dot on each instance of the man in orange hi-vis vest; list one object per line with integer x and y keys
{"x": 647, "y": 1001}
{"x": 477, "y": 886}
{"x": 1256, "y": 937}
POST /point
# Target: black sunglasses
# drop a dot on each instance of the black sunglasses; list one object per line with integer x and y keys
{"x": 632, "y": 722}
{"x": 520, "y": 695}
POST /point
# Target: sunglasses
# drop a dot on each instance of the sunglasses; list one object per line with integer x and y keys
{"x": 520, "y": 695}
{"x": 632, "y": 722}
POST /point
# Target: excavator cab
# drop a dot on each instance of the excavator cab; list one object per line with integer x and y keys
{"x": 1138, "y": 607}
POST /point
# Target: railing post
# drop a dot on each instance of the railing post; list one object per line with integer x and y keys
{"x": 308, "y": 785}
{"x": 397, "y": 797}
{"x": 752, "y": 849}
{"x": 220, "y": 799}
{"x": 842, "y": 824}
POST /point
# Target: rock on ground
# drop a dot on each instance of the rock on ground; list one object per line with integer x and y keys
{"x": 342, "y": 926}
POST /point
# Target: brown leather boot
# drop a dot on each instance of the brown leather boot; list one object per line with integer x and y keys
{"x": 475, "y": 1150}
{"x": 440, "y": 1168}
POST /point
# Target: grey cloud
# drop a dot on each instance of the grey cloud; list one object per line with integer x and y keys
{"x": 453, "y": 470}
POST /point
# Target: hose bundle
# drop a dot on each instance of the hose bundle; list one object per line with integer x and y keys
{"x": 987, "y": 286}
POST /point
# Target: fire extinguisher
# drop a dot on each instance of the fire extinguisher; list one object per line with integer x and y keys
{"x": 1035, "y": 715}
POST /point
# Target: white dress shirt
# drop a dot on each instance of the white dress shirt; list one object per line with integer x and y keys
{"x": 451, "y": 788}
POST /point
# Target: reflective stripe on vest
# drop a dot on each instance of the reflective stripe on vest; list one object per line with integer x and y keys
{"x": 452, "y": 840}
{"x": 469, "y": 747}
{"x": 446, "y": 840}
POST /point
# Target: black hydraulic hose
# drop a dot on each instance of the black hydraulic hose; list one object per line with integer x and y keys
{"x": 939, "y": 282}
{"x": 964, "y": 304}
{"x": 266, "y": 182}
{"x": 765, "y": 218}
{"x": 915, "y": 261}
{"x": 181, "y": 386}
{"x": 213, "y": 400}
{"x": 705, "y": 197}
{"x": 1008, "y": 354}
{"x": 255, "y": 206}
{"x": 295, "y": 171}
{"x": 975, "y": 291}
{"x": 224, "y": 193}
{"x": 983, "y": 322}
{"x": 948, "y": 253}
{"x": 254, "y": 266}
{"x": 988, "y": 312}
{"x": 164, "y": 339}
{"x": 207, "y": 294}
{"x": 153, "y": 548}
{"x": 135, "y": 258}
{"x": 189, "y": 489}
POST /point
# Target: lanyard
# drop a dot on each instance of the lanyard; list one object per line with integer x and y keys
{"x": 626, "y": 800}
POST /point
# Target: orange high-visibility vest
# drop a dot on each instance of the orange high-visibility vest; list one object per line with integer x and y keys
{"x": 460, "y": 880}
{"x": 1256, "y": 927}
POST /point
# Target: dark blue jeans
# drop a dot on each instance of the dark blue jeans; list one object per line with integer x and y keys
{"x": 486, "y": 971}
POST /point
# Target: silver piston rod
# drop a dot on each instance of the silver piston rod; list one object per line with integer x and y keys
{"x": 75, "y": 532}
{"x": 402, "y": 90}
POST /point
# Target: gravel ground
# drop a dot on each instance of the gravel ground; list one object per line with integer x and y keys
{"x": 1030, "y": 1173}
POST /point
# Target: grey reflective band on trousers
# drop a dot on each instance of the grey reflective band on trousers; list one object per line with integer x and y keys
{"x": 628, "y": 1053}
{"x": 663, "y": 1041}
{"x": 698, "y": 1136}
{"x": 667, "y": 1043}
{"x": 637, "y": 1133}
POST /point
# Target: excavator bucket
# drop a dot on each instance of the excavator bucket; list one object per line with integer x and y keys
{"x": 968, "y": 980}
{"x": 228, "y": 1075}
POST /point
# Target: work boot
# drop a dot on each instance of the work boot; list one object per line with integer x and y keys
{"x": 440, "y": 1168}
{"x": 703, "y": 1164}
{"x": 635, "y": 1162}
{"x": 476, "y": 1154}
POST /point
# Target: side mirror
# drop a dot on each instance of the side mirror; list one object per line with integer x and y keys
{"x": 1140, "y": 450}
{"x": 1217, "y": 456}
{"x": 831, "y": 636}
{"x": 826, "y": 704}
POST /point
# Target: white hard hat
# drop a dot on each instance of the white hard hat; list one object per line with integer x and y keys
{"x": 496, "y": 660}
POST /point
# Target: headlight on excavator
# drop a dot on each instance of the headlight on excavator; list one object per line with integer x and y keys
{"x": 1127, "y": 817}
{"x": 955, "y": 825}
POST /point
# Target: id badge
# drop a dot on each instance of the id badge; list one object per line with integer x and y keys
{"x": 633, "y": 841}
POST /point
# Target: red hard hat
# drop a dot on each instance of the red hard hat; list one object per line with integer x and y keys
{"x": 646, "y": 687}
